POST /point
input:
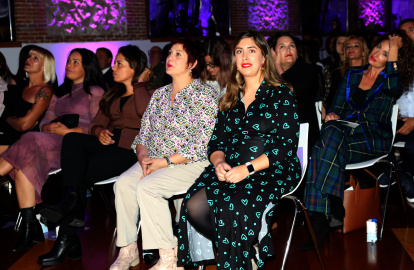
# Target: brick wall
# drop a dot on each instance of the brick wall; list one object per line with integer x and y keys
{"x": 30, "y": 22}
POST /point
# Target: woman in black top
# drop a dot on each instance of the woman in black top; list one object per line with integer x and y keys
{"x": 305, "y": 79}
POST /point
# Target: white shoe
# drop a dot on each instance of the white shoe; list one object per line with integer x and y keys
{"x": 128, "y": 256}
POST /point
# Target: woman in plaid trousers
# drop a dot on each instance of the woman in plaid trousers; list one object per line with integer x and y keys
{"x": 366, "y": 96}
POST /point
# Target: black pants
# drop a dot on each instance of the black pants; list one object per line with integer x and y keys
{"x": 85, "y": 161}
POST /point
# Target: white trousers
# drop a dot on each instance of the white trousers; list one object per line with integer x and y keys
{"x": 149, "y": 197}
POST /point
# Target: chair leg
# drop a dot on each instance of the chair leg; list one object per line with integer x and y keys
{"x": 397, "y": 177}
{"x": 291, "y": 233}
{"x": 298, "y": 203}
{"x": 312, "y": 234}
{"x": 386, "y": 201}
{"x": 18, "y": 221}
{"x": 106, "y": 201}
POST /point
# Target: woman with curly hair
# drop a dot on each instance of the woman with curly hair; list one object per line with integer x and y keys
{"x": 366, "y": 96}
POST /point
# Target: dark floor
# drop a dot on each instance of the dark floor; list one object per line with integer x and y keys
{"x": 348, "y": 251}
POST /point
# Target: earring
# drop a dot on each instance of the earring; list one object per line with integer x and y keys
{"x": 191, "y": 72}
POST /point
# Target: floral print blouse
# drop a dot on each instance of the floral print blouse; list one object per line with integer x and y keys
{"x": 184, "y": 127}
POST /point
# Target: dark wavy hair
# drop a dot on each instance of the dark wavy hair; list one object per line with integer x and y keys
{"x": 236, "y": 81}
{"x": 405, "y": 58}
{"x": 93, "y": 73}
{"x": 194, "y": 53}
{"x": 138, "y": 61}
{"x": 220, "y": 52}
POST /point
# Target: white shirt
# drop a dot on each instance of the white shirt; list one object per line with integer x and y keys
{"x": 105, "y": 70}
{"x": 406, "y": 103}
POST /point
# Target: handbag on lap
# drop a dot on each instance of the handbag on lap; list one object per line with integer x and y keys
{"x": 69, "y": 120}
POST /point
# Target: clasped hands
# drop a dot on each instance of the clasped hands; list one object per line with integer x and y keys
{"x": 150, "y": 165}
{"x": 233, "y": 175}
{"x": 57, "y": 128}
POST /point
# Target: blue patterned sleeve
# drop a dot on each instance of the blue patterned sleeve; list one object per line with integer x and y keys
{"x": 283, "y": 143}
{"x": 219, "y": 138}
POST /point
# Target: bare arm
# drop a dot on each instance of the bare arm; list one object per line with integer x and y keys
{"x": 28, "y": 121}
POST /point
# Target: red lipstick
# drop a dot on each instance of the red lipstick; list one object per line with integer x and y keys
{"x": 373, "y": 59}
{"x": 246, "y": 65}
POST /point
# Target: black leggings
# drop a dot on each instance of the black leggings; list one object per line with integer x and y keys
{"x": 85, "y": 161}
{"x": 199, "y": 214}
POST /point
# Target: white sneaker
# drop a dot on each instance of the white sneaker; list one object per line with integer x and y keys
{"x": 128, "y": 256}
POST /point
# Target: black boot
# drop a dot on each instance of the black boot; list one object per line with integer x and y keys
{"x": 320, "y": 226}
{"x": 73, "y": 205}
{"x": 65, "y": 245}
{"x": 30, "y": 231}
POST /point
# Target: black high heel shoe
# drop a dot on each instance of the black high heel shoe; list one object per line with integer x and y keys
{"x": 73, "y": 205}
{"x": 30, "y": 231}
{"x": 65, "y": 245}
{"x": 320, "y": 226}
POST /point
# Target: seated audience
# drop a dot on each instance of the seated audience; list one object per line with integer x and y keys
{"x": 105, "y": 61}
{"x": 101, "y": 154}
{"x": 30, "y": 159}
{"x": 20, "y": 78}
{"x": 366, "y": 96}
{"x": 171, "y": 150}
{"x": 302, "y": 76}
{"x": 355, "y": 53}
{"x": 26, "y": 106}
{"x": 405, "y": 129}
{"x": 332, "y": 73}
{"x": 253, "y": 163}
{"x": 157, "y": 67}
{"x": 217, "y": 57}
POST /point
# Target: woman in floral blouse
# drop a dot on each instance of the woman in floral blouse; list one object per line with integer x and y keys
{"x": 172, "y": 152}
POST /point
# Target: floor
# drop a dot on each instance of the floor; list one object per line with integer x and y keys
{"x": 349, "y": 251}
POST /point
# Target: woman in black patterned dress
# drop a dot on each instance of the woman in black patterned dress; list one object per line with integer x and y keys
{"x": 254, "y": 162}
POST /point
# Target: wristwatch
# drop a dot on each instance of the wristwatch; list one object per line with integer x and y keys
{"x": 250, "y": 168}
{"x": 169, "y": 162}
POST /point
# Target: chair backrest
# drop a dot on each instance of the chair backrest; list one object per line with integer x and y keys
{"x": 302, "y": 152}
{"x": 394, "y": 119}
{"x": 318, "y": 105}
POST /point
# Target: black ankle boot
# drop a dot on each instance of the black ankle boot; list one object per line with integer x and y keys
{"x": 65, "y": 245}
{"x": 320, "y": 226}
{"x": 73, "y": 205}
{"x": 30, "y": 231}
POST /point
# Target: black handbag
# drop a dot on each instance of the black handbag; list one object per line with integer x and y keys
{"x": 69, "y": 120}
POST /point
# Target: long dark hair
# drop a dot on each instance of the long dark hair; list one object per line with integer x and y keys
{"x": 236, "y": 81}
{"x": 405, "y": 58}
{"x": 93, "y": 73}
{"x": 5, "y": 72}
{"x": 137, "y": 60}
{"x": 220, "y": 52}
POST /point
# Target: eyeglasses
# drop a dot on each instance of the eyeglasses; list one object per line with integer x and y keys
{"x": 153, "y": 52}
{"x": 211, "y": 65}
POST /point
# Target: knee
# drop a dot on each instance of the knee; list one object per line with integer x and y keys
{"x": 71, "y": 139}
{"x": 331, "y": 124}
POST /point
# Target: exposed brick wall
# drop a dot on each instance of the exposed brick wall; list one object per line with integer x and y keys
{"x": 30, "y": 22}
